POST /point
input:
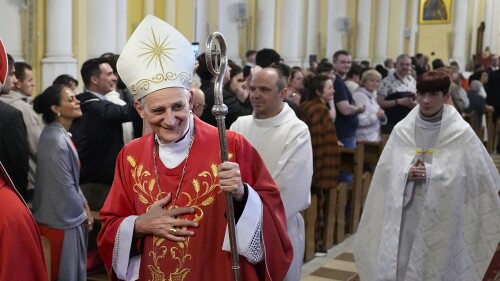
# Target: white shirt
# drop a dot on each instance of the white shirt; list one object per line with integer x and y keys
{"x": 284, "y": 143}
{"x": 128, "y": 127}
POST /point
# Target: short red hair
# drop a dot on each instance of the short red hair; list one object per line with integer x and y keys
{"x": 434, "y": 81}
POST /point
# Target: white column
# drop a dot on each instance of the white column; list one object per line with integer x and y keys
{"x": 414, "y": 26}
{"x": 59, "y": 44}
{"x": 382, "y": 31}
{"x": 363, "y": 25}
{"x": 170, "y": 9}
{"x": 101, "y": 27}
{"x": 121, "y": 25}
{"x": 312, "y": 29}
{"x": 488, "y": 24}
{"x": 403, "y": 26}
{"x": 201, "y": 24}
{"x": 149, "y": 7}
{"x": 228, "y": 26}
{"x": 335, "y": 35}
{"x": 11, "y": 28}
{"x": 494, "y": 27}
{"x": 474, "y": 30}
{"x": 459, "y": 34}
{"x": 292, "y": 32}
{"x": 265, "y": 17}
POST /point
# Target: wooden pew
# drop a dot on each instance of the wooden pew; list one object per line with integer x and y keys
{"x": 330, "y": 216}
{"x": 342, "y": 198}
{"x": 492, "y": 136}
{"x": 309, "y": 216}
{"x": 96, "y": 194}
{"x": 351, "y": 161}
{"x": 475, "y": 123}
{"x": 372, "y": 151}
{"x": 367, "y": 179}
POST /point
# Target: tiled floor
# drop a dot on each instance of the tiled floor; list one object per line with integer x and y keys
{"x": 337, "y": 265}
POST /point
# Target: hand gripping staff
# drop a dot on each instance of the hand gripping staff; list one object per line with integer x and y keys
{"x": 217, "y": 64}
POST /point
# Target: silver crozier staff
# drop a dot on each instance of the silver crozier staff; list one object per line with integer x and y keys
{"x": 218, "y": 69}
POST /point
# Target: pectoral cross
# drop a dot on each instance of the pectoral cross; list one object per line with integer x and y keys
{"x": 424, "y": 152}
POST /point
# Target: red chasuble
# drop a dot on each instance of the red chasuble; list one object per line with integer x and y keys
{"x": 21, "y": 252}
{"x": 200, "y": 257}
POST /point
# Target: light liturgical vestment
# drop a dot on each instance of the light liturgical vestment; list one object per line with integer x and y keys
{"x": 458, "y": 228}
{"x": 284, "y": 143}
{"x": 200, "y": 257}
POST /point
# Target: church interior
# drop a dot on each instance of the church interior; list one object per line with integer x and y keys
{"x": 57, "y": 36}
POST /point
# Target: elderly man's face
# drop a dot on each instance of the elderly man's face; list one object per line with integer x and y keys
{"x": 198, "y": 101}
{"x": 167, "y": 112}
{"x": 494, "y": 61}
{"x": 403, "y": 66}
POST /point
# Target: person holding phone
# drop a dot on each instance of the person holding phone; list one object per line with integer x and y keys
{"x": 196, "y": 48}
{"x": 313, "y": 63}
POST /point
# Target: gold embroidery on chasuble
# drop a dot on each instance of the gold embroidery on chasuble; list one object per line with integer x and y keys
{"x": 199, "y": 193}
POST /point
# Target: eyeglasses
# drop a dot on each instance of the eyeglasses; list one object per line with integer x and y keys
{"x": 203, "y": 106}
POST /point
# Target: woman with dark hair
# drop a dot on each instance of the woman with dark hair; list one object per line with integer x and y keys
{"x": 59, "y": 207}
{"x": 237, "y": 86}
{"x": 207, "y": 86}
{"x": 326, "y": 151}
{"x": 68, "y": 81}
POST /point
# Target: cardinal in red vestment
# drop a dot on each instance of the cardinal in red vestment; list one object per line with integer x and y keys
{"x": 165, "y": 216}
{"x": 21, "y": 251}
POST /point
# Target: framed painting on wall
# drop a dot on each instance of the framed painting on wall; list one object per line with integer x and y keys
{"x": 434, "y": 11}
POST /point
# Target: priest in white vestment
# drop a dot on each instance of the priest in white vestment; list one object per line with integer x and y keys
{"x": 284, "y": 143}
{"x": 432, "y": 211}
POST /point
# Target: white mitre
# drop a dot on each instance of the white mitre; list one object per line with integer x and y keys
{"x": 156, "y": 56}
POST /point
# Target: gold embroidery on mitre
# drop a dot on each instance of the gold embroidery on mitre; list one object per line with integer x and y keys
{"x": 203, "y": 188}
{"x": 158, "y": 51}
{"x": 143, "y": 84}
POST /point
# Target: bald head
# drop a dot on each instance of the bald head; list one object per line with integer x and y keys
{"x": 198, "y": 101}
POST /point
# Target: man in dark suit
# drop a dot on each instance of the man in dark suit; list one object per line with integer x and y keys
{"x": 98, "y": 134}
{"x": 493, "y": 88}
{"x": 13, "y": 136}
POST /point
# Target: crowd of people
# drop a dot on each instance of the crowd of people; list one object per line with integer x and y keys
{"x": 144, "y": 128}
